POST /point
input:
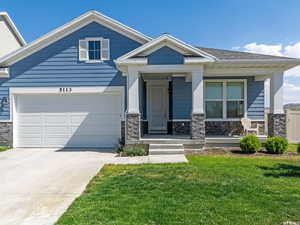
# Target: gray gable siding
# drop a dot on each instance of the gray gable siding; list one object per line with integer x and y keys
{"x": 165, "y": 55}
{"x": 58, "y": 65}
{"x": 182, "y": 97}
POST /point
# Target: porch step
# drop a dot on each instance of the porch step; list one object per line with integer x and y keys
{"x": 166, "y": 149}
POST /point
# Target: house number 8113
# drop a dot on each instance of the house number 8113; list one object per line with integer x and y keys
{"x": 65, "y": 90}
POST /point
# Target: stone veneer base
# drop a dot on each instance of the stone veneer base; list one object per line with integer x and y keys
{"x": 198, "y": 126}
{"x": 277, "y": 125}
{"x": 6, "y": 133}
{"x": 132, "y": 127}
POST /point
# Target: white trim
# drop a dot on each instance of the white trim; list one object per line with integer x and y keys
{"x": 172, "y": 68}
{"x": 166, "y": 40}
{"x": 120, "y": 90}
{"x": 55, "y": 90}
{"x": 13, "y": 28}
{"x": 72, "y": 26}
{"x": 75, "y": 90}
{"x": 224, "y": 99}
{"x": 276, "y": 93}
{"x": 195, "y": 60}
{"x": 4, "y": 72}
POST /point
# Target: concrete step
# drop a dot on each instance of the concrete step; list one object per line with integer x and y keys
{"x": 166, "y": 149}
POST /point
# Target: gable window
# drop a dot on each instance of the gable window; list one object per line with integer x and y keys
{"x": 94, "y": 50}
{"x": 225, "y": 99}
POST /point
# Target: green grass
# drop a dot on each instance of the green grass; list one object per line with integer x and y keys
{"x": 4, "y": 148}
{"x": 292, "y": 148}
{"x": 208, "y": 190}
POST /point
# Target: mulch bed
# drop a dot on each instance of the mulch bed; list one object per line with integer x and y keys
{"x": 236, "y": 151}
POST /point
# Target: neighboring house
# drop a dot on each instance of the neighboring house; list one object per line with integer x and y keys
{"x": 10, "y": 37}
{"x": 94, "y": 81}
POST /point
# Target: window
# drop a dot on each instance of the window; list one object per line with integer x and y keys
{"x": 225, "y": 99}
{"x": 94, "y": 50}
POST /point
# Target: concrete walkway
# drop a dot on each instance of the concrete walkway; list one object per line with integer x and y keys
{"x": 38, "y": 185}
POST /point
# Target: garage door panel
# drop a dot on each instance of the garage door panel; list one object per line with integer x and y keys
{"x": 68, "y": 120}
{"x": 31, "y": 119}
{"x": 56, "y": 130}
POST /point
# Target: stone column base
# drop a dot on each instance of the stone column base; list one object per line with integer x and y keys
{"x": 198, "y": 126}
{"x": 277, "y": 125}
{"x": 132, "y": 127}
{"x": 6, "y": 133}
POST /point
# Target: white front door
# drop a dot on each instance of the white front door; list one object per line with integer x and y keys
{"x": 157, "y": 106}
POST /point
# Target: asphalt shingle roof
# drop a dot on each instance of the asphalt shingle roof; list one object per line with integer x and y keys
{"x": 230, "y": 55}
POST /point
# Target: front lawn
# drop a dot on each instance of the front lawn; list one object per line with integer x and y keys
{"x": 292, "y": 148}
{"x": 208, "y": 190}
{"x": 4, "y": 148}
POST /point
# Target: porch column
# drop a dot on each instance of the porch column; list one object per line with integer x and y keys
{"x": 133, "y": 111}
{"x": 276, "y": 117}
{"x": 198, "y": 116}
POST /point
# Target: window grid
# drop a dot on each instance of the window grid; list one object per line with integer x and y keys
{"x": 94, "y": 52}
{"x": 224, "y": 99}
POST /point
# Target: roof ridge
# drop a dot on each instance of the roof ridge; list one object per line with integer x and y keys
{"x": 243, "y": 52}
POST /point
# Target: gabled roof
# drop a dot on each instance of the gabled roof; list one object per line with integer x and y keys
{"x": 227, "y": 55}
{"x": 13, "y": 27}
{"x": 166, "y": 40}
{"x": 75, "y": 24}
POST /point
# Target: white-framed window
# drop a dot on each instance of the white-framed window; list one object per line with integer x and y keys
{"x": 94, "y": 50}
{"x": 225, "y": 99}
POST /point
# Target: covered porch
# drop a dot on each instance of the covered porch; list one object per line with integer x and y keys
{"x": 175, "y": 90}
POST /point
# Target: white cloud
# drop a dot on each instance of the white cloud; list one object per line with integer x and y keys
{"x": 278, "y": 50}
{"x": 291, "y": 91}
{"x": 263, "y": 49}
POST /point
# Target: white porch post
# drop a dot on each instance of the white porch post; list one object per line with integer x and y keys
{"x": 133, "y": 111}
{"x": 133, "y": 91}
{"x": 198, "y": 116}
{"x": 276, "y": 118}
{"x": 276, "y": 93}
{"x": 197, "y": 89}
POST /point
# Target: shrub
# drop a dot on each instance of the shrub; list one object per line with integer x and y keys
{"x": 134, "y": 150}
{"x": 276, "y": 145}
{"x": 250, "y": 144}
{"x": 298, "y": 148}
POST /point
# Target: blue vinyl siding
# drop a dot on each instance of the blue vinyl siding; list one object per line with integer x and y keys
{"x": 256, "y": 99}
{"x": 182, "y": 97}
{"x": 165, "y": 55}
{"x": 58, "y": 65}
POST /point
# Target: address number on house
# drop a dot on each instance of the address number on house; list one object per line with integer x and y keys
{"x": 65, "y": 90}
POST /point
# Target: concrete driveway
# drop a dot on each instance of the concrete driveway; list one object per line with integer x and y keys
{"x": 38, "y": 185}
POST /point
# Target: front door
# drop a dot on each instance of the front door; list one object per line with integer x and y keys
{"x": 157, "y": 106}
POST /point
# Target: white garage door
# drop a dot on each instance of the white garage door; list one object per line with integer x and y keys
{"x": 68, "y": 120}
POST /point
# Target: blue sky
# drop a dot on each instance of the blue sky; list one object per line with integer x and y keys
{"x": 269, "y": 26}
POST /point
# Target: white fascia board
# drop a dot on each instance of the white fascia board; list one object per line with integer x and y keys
{"x": 4, "y": 72}
{"x": 166, "y": 40}
{"x": 133, "y": 61}
{"x": 13, "y": 28}
{"x": 262, "y": 77}
{"x": 68, "y": 28}
{"x": 195, "y": 60}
